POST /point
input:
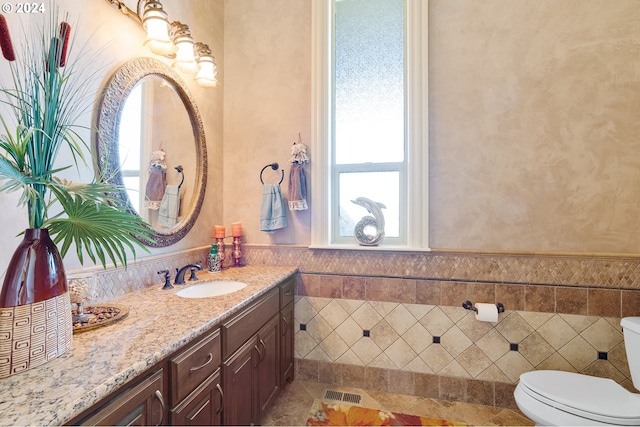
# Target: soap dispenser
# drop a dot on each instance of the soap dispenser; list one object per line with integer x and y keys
{"x": 213, "y": 261}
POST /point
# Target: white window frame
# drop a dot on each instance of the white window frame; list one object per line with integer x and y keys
{"x": 416, "y": 221}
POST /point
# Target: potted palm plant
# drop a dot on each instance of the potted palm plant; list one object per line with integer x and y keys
{"x": 39, "y": 117}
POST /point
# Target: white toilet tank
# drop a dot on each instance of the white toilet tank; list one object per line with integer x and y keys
{"x": 631, "y": 330}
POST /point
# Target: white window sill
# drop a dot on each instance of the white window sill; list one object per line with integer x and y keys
{"x": 355, "y": 247}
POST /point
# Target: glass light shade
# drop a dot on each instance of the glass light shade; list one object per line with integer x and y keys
{"x": 185, "y": 58}
{"x": 158, "y": 36}
{"x": 206, "y": 76}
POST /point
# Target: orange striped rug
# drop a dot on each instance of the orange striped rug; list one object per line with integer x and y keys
{"x": 341, "y": 414}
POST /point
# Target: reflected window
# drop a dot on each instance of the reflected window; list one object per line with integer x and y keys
{"x": 129, "y": 140}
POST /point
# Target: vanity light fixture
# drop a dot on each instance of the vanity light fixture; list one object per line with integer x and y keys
{"x": 185, "y": 56}
{"x": 155, "y": 21}
{"x": 172, "y": 41}
{"x": 207, "y": 73}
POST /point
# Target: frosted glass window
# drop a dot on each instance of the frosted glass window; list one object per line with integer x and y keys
{"x": 383, "y": 187}
{"x": 369, "y": 111}
{"x": 369, "y": 81}
{"x": 370, "y": 122}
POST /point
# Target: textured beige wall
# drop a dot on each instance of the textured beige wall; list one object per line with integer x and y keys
{"x": 119, "y": 39}
{"x": 533, "y": 108}
{"x": 534, "y": 130}
{"x": 267, "y": 102}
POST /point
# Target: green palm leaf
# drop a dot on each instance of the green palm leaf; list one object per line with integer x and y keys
{"x": 102, "y": 230}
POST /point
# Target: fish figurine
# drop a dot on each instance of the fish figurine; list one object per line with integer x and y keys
{"x": 369, "y": 231}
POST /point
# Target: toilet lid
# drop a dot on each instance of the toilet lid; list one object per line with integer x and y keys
{"x": 595, "y": 398}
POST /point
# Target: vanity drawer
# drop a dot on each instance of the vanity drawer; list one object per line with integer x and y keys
{"x": 193, "y": 365}
{"x": 287, "y": 291}
{"x": 241, "y": 327}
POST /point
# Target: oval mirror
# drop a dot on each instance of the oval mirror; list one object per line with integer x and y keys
{"x": 151, "y": 142}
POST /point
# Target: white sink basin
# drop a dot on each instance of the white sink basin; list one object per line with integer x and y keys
{"x": 211, "y": 289}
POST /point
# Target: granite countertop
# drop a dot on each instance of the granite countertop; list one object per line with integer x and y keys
{"x": 103, "y": 359}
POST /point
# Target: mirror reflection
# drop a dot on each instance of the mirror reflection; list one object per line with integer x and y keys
{"x": 156, "y": 147}
{"x": 151, "y": 142}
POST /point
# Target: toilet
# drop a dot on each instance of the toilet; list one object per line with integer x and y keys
{"x": 568, "y": 399}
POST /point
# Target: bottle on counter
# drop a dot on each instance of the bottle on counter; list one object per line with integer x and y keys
{"x": 213, "y": 261}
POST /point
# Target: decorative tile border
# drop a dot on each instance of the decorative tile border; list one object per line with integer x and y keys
{"x": 602, "y": 271}
{"x": 112, "y": 282}
{"x": 586, "y": 271}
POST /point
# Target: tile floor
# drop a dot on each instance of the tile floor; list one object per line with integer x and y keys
{"x": 291, "y": 407}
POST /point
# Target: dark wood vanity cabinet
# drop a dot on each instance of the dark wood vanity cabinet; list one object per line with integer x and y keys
{"x": 229, "y": 376}
{"x": 251, "y": 360}
{"x": 140, "y": 405}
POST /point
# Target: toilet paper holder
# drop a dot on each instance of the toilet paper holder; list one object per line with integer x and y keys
{"x": 469, "y": 306}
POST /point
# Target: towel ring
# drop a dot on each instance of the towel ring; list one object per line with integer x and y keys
{"x": 180, "y": 171}
{"x": 275, "y": 167}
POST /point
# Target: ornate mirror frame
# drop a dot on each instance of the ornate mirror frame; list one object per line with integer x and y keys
{"x": 107, "y": 118}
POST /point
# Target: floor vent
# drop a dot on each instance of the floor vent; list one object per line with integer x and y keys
{"x": 342, "y": 397}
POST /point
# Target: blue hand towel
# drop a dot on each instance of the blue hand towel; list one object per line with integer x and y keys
{"x": 272, "y": 212}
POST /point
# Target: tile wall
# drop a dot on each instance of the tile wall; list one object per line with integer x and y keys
{"x": 108, "y": 283}
{"x": 450, "y": 341}
{"x": 393, "y": 321}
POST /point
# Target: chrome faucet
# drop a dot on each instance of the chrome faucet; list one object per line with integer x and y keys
{"x": 179, "y": 280}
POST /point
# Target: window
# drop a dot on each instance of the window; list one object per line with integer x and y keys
{"x": 370, "y": 119}
{"x": 130, "y": 138}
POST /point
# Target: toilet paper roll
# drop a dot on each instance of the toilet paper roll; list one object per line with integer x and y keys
{"x": 486, "y": 312}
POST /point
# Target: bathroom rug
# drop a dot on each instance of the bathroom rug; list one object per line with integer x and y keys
{"x": 325, "y": 413}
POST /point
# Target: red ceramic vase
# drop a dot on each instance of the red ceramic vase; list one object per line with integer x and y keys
{"x": 35, "y": 273}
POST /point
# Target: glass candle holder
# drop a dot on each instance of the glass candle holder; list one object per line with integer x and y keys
{"x": 81, "y": 290}
{"x": 237, "y": 250}
{"x": 221, "y": 252}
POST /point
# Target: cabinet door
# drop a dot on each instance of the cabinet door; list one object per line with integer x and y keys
{"x": 244, "y": 325}
{"x": 286, "y": 344}
{"x": 143, "y": 405}
{"x": 203, "y": 407}
{"x": 269, "y": 364}
{"x": 239, "y": 375}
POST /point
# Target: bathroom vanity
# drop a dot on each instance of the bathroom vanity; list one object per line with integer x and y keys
{"x": 173, "y": 360}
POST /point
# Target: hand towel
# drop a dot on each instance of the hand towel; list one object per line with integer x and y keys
{"x": 157, "y": 182}
{"x": 272, "y": 212}
{"x": 297, "y": 188}
{"x": 155, "y": 188}
{"x": 170, "y": 206}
